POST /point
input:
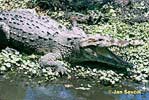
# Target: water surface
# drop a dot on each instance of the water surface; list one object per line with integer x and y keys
{"x": 13, "y": 90}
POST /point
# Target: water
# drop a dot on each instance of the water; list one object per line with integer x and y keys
{"x": 70, "y": 91}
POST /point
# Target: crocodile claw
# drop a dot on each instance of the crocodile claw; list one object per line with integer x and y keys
{"x": 61, "y": 70}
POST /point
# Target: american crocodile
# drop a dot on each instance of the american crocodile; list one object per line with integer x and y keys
{"x": 28, "y": 32}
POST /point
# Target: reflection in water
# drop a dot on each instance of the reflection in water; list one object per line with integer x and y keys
{"x": 55, "y": 92}
{"x": 11, "y": 91}
{"x": 59, "y": 92}
{"x": 144, "y": 96}
{"x": 16, "y": 91}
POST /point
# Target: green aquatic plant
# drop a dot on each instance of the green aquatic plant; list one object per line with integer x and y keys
{"x": 108, "y": 20}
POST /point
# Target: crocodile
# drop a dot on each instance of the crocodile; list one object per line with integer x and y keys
{"x": 26, "y": 31}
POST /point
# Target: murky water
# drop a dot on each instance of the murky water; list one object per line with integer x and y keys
{"x": 70, "y": 91}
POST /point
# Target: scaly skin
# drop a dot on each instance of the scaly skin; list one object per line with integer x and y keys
{"x": 28, "y": 32}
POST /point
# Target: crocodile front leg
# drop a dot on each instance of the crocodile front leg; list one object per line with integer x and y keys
{"x": 4, "y": 34}
{"x": 5, "y": 30}
{"x": 53, "y": 60}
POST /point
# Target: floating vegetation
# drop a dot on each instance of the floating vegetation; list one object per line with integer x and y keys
{"x": 108, "y": 20}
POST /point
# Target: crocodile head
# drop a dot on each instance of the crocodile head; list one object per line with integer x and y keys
{"x": 94, "y": 48}
{"x": 103, "y": 55}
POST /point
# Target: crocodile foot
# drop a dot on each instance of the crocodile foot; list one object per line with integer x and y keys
{"x": 51, "y": 60}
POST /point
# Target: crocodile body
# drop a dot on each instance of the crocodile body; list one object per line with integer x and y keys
{"x": 28, "y": 32}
